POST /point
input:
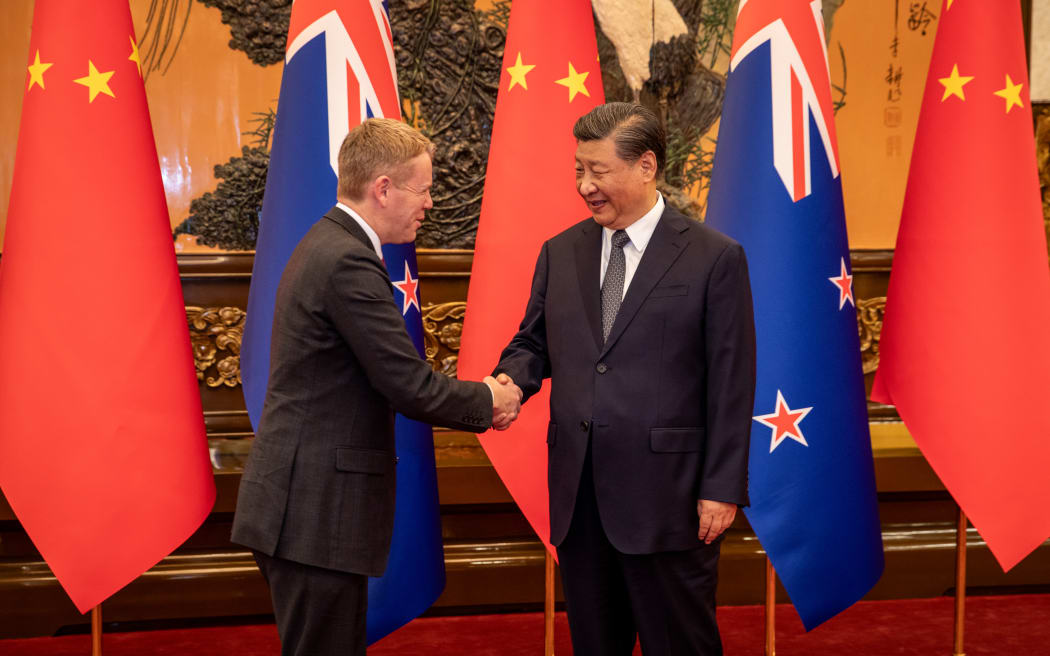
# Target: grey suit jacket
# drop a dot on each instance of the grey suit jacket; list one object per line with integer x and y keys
{"x": 318, "y": 487}
{"x": 665, "y": 402}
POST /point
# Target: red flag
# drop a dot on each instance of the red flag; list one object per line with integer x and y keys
{"x": 964, "y": 353}
{"x": 550, "y": 78}
{"x": 103, "y": 454}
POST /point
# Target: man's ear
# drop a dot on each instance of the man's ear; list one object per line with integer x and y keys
{"x": 380, "y": 190}
{"x": 647, "y": 162}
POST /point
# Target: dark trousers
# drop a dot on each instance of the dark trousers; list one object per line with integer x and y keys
{"x": 319, "y": 612}
{"x": 665, "y": 599}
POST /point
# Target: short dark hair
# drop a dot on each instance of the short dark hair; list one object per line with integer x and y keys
{"x": 634, "y": 129}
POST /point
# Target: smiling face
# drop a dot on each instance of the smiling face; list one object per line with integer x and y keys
{"x": 617, "y": 192}
{"x": 407, "y": 196}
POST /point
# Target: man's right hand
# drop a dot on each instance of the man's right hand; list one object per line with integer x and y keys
{"x": 506, "y": 401}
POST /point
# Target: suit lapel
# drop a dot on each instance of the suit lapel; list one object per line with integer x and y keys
{"x": 588, "y": 270}
{"x": 663, "y": 249}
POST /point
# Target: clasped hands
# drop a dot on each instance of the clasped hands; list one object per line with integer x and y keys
{"x": 506, "y": 400}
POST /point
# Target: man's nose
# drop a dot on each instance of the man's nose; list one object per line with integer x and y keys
{"x": 428, "y": 201}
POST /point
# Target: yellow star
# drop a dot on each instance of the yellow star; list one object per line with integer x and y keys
{"x": 949, "y": 5}
{"x": 36, "y": 71}
{"x": 96, "y": 82}
{"x": 134, "y": 56}
{"x": 518, "y": 72}
{"x": 953, "y": 86}
{"x": 575, "y": 82}
{"x": 1012, "y": 93}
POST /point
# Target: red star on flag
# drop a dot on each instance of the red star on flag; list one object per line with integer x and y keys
{"x": 409, "y": 288}
{"x": 784, "y": 422}
{"x": 845, "y": 284}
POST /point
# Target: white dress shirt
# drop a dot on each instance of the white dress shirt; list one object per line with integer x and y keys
{"x": 640, "y": 232}
{"x": 367, "y": 228}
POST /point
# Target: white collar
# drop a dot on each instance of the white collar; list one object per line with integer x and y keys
{"x": 372, "y": 235}
{"x": 641, "y": 231}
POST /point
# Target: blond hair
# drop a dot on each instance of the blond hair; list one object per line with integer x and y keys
{"x": 378, "y": 146}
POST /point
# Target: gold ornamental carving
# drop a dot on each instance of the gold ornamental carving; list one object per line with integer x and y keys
{"x": 442, "y": 330}
{"x": 1042, "y": 155}
{"x": 215, "y": 334}
{"x": 869, "y": 323}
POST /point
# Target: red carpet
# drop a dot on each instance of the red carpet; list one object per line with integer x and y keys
{"x": 1015, "y": 625}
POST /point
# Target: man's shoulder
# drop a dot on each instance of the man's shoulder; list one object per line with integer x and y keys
{"x": 328, "y": 247}
{"x": 329, "y": 236}
{"x": 571, "y": 233}
{"x": 698, "y": 231}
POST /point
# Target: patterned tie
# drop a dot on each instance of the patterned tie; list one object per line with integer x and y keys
{"x": 612, "y": 288}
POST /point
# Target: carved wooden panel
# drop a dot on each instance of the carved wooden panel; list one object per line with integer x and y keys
{"x": 216, "y": 334}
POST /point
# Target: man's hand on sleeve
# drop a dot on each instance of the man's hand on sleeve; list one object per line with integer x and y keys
{"x": 506, "y": 400}
{"x": 715, "y": 518}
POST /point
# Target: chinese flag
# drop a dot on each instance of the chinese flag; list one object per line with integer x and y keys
{"x": 550, "y": 78}
{"x": 103, "y": 454}
{"x": 964, "y": 350}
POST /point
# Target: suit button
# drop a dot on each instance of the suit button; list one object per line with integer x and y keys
{"x": 397, "y": 459}
{"x": 602, "y": 367}
{"x": 585, "y": 426}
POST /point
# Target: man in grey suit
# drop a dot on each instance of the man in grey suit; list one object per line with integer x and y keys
{"x": 316, "y": 501}
{"x": 642, "y": 319}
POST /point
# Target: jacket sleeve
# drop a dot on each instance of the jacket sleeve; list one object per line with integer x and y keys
{"x": 730, "y": 354}
{"x": 360, "y": 302}
{"x": 526, "y": 359}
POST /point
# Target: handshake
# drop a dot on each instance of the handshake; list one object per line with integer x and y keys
{"x": 506, "y": 400}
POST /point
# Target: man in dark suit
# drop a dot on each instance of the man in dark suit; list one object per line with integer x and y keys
{"x": 642, "y": 319}
{"x": 316, "y": 501}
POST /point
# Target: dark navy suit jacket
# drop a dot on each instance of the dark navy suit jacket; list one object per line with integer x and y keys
{"x": 666, "y": 401}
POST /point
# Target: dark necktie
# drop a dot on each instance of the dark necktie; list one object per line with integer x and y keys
{"x": 612, "y": 287}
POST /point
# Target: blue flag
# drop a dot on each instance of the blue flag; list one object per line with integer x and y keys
{"x": 776, "y": 189}
{"x": 338, "y": 71}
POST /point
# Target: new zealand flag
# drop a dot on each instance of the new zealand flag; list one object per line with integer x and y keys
{"x": 338, "y": 71}
{"x": 776, "y": 189}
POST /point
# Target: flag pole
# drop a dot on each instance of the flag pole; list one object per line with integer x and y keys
{"x": 960, "y": 583}
{"x": 548, "y": 604}
{"x": 771, "y": 607}
{"x": 96, "y": 631}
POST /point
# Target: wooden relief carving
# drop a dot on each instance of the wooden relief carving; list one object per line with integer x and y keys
{"x": 869, "y": 324}
{"x": 442, "y": 329}
{"x": 1042, "y": 154}
{"x": 215, "y": 334}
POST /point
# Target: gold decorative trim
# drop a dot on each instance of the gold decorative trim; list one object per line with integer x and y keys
{"x": 869, "y": 324}
{"x": 442, "y": 330}
{"x": 213, "y": 330}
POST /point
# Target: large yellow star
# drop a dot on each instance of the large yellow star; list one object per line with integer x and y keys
{"x": 96, "y": 82}
{"x": 518, "y": 72}
{"x": 953, "y": 85}
{"x": 36, "y": 71}
{"x": 134, "y": 56}
{"x": 949, "y": 5}
{"x": 575, "y": 82}
{"x": 1012, "y": 93}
